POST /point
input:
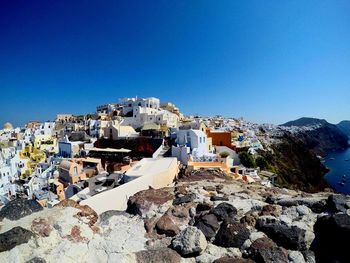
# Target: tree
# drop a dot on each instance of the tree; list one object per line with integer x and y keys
{"x": 247, "y": 160}
{"x": 261, "y": 162}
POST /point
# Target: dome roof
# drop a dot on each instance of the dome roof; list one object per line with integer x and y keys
{"x": 8, "y": 126}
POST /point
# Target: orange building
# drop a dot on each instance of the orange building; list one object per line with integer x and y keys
{"x": 75, "y": 170}
{"x": 220, "y": 138}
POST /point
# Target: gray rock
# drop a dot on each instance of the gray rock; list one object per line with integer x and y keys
{"x": 291, "y": 212}
{"x": 223, "y": 211}
{"x": 309, "y": 256}
{"x": 184, "y": 199}
{"x": 232, "y": 260}
{"x": 189, "y": 241}
{"x": 332, "y": 238}
{"x": 290, "y": 237}
{"x": 165, "y": 255}
{"x": 296, "y": 257}
{"x": 203, "y": 207}
{"x": 208, "y": 224}
{"x": 246, "y": 244}
{"x": 264, "y": 250}
{"x": 218, "y": 198}
{"x": 103, "y": 218}
{"x": 303, "y": 210}
{"x": 14, "y": 237}
{"x": 315, "y": 204}
{"x": 192, "y": 212}
{"x": 231, "y": 234}
{"x": 270, "y": 200}
{"x": 36, "y": 260}
{"x": 19, "y": 208}
{"x": 337, "y": 203}
{"x": 256, "y": 235}
{"x": 213, "y": 252}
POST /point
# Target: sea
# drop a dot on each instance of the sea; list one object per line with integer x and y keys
{"x": 339, "y": 175}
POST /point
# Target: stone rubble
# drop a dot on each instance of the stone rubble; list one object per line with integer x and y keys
{"x": 189, "y": 222}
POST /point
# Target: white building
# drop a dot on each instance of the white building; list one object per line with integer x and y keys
{"x": 97, "y": 128}
{"x": 10, "y": 165}
{"x": 137, "y": 112}
{"x": 128, "y": 104}
{"x": 107, "y": 108}
{"x": 190, "y": 142}
{"x": 45, "y": 128}
{"x": 68, "y": 149}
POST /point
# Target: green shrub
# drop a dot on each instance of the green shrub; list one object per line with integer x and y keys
{"x": 247, "y": 160}
{"x": 224, "y": 154}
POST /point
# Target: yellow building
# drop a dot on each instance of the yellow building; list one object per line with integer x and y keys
{"x": 46, "y": 143}
{"x": 33, "y": 157}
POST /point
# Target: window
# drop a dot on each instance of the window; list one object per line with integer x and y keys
{"x": 200, "y": 139}
{"x": 203, "y": 139}
{"x": 75, "y": 170}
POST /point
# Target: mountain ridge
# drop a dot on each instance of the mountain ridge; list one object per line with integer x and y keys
{"x": 344, "y": 126}
{"x": 305, "y": 121}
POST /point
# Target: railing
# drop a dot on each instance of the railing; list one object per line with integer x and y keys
{"x": 158, "y": 151}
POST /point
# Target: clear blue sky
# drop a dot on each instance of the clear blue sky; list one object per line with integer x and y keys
{"x": 268, "y": 61}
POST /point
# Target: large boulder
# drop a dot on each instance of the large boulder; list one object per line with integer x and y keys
{"x": 249, "y": 219}
{"x": 19, "y": 208}
{"x": 165, "y": 255}
{"x": 223, "y": 211}
{"x": 316, "y": 204}
{"x": 144, "y": 201}
{"x": 264, "y": 250}
{"x": 208, "y": 224}
{"x": 166, "y": 225}
{"x": 332, "y": 238}
{"x": 337, "y": 203}
{"x": 270, "y": 210}
{"x": 14, "y": 237}
{"x": 231, "y": 234}
{"x": 184, "y": 199}
{"x": 203, "y": 207}
{"x": 190, "y": 241}
{"x": 289, "y": 236}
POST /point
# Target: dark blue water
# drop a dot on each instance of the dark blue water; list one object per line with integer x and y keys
{"x": 338, "y": 168}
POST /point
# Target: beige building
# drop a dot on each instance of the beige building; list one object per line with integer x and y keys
{"x": 114, "y": 131}
{"x": 65, "y": 117}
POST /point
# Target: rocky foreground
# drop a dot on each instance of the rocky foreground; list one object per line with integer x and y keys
{"x": 212, "y": 220}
